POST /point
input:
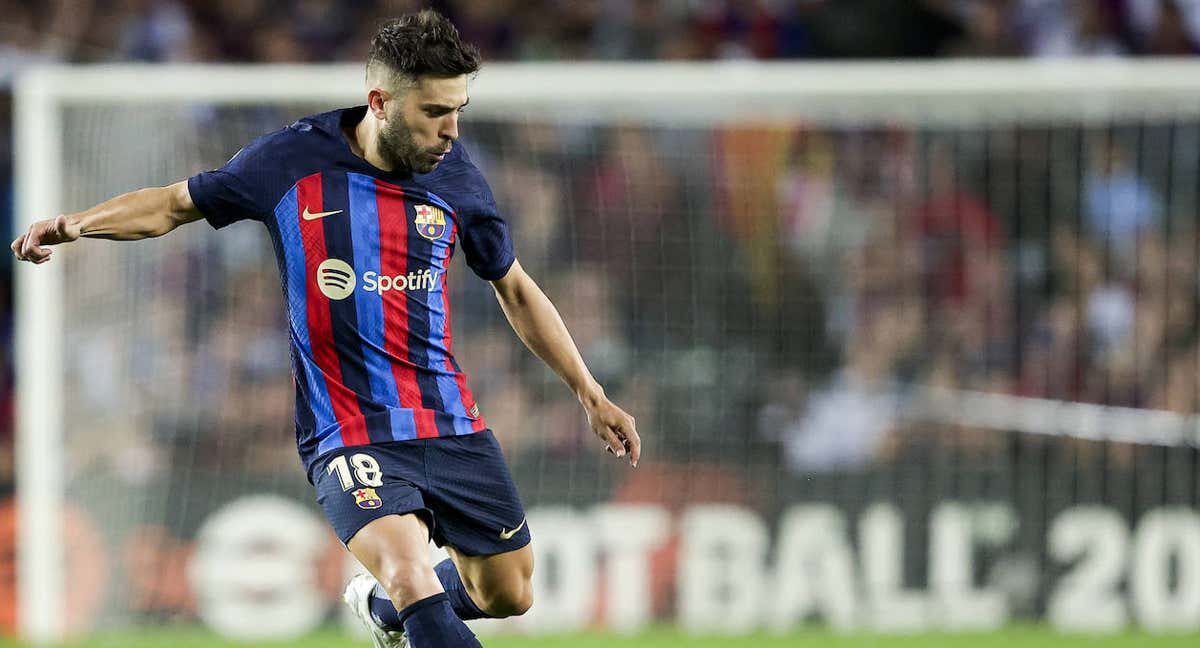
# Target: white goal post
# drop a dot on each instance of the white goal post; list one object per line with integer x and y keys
{"x": 674, "y": 94}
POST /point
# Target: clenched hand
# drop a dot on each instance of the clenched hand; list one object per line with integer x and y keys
{"x": 30, "y": 245}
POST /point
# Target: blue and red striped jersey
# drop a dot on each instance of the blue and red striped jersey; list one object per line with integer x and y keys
{"x": 363, "y": 255}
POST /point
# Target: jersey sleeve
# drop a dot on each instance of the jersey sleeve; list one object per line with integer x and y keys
{"x": 243, "y": 189}
{"x": 485, "y": 238}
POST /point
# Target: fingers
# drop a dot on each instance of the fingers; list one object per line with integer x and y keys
{"x": 633, "y": 442}
{"x": 622, "y": 439}
{"x": 29, "y": 246}
{"x": 618, "y": 430}
{"x": 613, "y": 442}
{"x": 30, "y": 250}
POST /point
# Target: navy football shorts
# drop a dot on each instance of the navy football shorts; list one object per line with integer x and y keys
{"x": 460, "y": 485}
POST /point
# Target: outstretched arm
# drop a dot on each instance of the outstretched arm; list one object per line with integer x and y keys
{"x": 539, "y": 326}
{"x": 140, "y": 214}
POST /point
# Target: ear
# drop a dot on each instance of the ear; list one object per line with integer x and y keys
{"x": 375, "y": 99}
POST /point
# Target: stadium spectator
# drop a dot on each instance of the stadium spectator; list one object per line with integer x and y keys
{"x": 952, "y": 225}
{"x": 989, "y": 31}
{"x": 847, "y": 422}
{"x": 1118, "y": 204}
{"x": 533, "y": 185}
{"x": 1171, "y": 35}
{"x": 1165, "y": 27}
{"x": 1058, "y": 29}
{"x": 155, "y": 31}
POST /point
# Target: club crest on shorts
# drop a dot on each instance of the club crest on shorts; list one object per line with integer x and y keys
{"x": 430, "y": 222}
{"x": 367, "y": 498}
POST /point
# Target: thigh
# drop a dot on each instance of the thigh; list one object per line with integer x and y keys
{"x": 497, "y": 572}
{"x": 473, "y": 496}
{"x": 395, "y": 549}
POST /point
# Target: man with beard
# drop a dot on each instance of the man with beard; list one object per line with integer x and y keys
{"x": 365, "y": 206}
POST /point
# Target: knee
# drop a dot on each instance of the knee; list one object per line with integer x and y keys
{"x": 513, "y": 599}
{"x": 407, "y": 581}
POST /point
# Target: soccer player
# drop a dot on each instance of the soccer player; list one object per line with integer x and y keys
{"x": 365, "y": 207}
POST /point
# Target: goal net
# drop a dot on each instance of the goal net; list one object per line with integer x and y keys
{"x": 911, "y": 347}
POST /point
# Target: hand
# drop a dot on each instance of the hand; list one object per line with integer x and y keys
{"x": 28, "y": 246}
{"x": 616, "y": 428}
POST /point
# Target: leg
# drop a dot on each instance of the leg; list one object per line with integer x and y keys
{"x": 498, "y": 584}
{"x": 481, "y": 522}
{"x": 395, "y": 550}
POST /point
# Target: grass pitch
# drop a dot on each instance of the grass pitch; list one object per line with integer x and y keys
{"x": 1018, "y": 637}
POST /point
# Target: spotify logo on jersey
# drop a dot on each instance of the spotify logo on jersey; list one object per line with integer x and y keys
{"x": 335, "y": 278}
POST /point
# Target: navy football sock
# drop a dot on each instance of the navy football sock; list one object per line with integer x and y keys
{"x": 383, "y": 611}
{"x": 431, "y": 623}
{"x": 460, "y": 601}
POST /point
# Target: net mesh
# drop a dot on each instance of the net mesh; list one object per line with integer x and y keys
{"x": 767, "y": 300}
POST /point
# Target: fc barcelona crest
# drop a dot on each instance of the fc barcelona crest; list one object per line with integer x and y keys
{"x": 430, "y": 222}
{"x": 366, "y": 498}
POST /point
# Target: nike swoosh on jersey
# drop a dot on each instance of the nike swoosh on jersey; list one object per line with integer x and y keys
{"x": 311, "y": 216}
{"x": 507, "y": 535}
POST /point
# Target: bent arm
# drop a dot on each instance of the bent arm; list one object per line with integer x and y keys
{"x": 538, "y": 324}
{"x": 140, "y": 214}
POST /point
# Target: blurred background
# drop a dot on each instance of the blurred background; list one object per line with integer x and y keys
{"x": 770, "y": 301}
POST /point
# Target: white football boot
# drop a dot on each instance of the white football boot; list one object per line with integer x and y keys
{"x": 358, "y": 599}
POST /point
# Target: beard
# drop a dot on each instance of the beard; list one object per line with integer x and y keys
{"x": 399, "y": 149}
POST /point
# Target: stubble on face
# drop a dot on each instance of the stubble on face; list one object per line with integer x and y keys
{"x": 399, "y": 148}
{"x": 427, "y": 101}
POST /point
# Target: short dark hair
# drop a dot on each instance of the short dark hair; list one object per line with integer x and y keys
{"x": 422, "y": 44}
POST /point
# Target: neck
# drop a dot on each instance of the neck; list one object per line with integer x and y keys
{"x": 364, "y": 141}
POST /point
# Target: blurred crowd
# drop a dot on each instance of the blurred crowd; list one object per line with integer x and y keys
{"x": 893, "y": 257}
{"x": 1026, "y": 271}
{"x": 1050, "y": 262}
{"x": 322, "y": 30}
